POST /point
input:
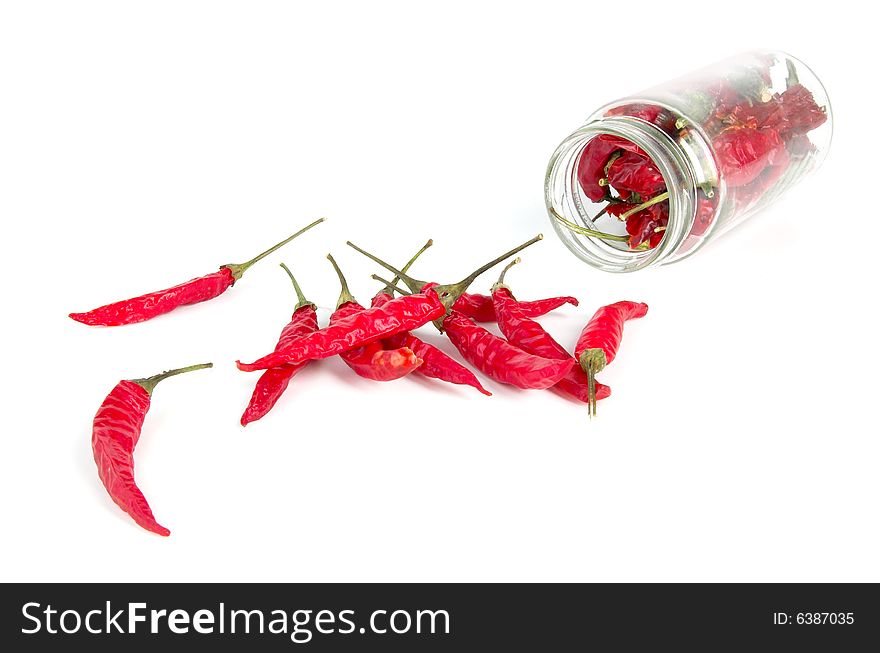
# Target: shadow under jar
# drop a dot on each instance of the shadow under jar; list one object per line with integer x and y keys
{"x": 650, "y": 178}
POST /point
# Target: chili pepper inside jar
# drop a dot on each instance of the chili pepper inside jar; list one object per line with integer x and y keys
{"x": 650, "y": 178}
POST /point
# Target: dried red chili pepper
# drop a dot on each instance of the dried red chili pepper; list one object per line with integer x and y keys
{"x": 272, "y": 383}
{"x": 742, "y": 154}
{"x": 706, "y": 208}
{"x": 401, "y": 314}
{"x": 591, "y": 167}
{"x": 480, "y": 309}
{"x": 146, "y": 307}
{"x": 800, "y": 112}
{"x": 792, "y": 112}
{"x": 599, "y": 341}
{"x": 632, "y": 172}
{"x": 435, "y": 363}
{"x": 499, "y": 359}
{"x": 528, "y": 335}
{"x": 371, "y": 361}
{"x": 115, "y": 432}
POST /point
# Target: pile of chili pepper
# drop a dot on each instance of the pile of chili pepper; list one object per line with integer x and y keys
{"x": 756, "y": 136}
{"x": 376, "y": 342}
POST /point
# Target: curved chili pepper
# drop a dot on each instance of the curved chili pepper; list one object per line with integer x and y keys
{"x": 401, "y": 314}
{"x": 500, "y": 360}
{"x": 371, "y": 361}
{"x": 599, "y": 341}
{"x": 436, "y": 364}
{"x": 528, "y": 335}
{"x": 480, "y": 309}
{"x": 146, "y": 307}
{"x": 591, "y": 167}
{"x": 115, "y": 432}
{"x": 273, "y": 382}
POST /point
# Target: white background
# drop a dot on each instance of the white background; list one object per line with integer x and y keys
{"x": 145, "y": 144}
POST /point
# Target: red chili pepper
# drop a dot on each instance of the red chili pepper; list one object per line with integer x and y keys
{"x": 706, "y": 208}
{"x": 635, "y": 173}
{"x": 115, "y": 433}
{"x": 435, "y": 363}
{"x": 371, "y": 361}
{"x": 500, "y": 360}
{"x": 648, "y": 226}
{"x": 531, "y": 337}
{"x": 742, "y": 154}
{"x": 646, "y": 112}
{"x": 792, "y": 112}
{"x": 800, "y": 113}
{"x": 146, "y": 307}
{"x": 770, "y": 175}
{"x": 591, "y": 167}
{"x": 272, "y": 383}
{"x": 600, "y": 340}
{"x": 480, "y": 309}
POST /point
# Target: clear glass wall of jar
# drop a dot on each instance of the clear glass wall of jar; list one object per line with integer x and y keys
{"x": 650, "y": 178}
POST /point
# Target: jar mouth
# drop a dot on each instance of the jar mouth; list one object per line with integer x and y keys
{"x": 565, "y": 198}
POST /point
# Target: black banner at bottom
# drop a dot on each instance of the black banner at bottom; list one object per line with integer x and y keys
{"x": 427, "y": 617}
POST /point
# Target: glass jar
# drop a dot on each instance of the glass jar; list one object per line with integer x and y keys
{"x": 650, "y": 178}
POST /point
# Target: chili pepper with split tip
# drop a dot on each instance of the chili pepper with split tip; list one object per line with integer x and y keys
{"x": 146, "y": 307}
{"x": 435, "y": 363}
{"x": 273, "y": 382}
{"x": 401, "y": 314}
{"x": 371, "y": 361}
{"x": 528, "y": 335}
{"x": 115, "y": 432}
{"x": 599, "y": 341}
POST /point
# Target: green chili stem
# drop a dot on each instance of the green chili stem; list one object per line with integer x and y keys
{"x": 592, "y": 361}
{"x": 239, "y": 269}
{"x": 457, "y": 289}
{"x": 413, "y": 284}
{"x": 792, "y": 78}
{"x": 300, "y": 297}
{"x": 345, "y": 296}
{"x": 448, "y": 293}
{"x": 390, "y": 287}
{"x": 151, "y": 382}
{"x": 500, "y": 283}
{"x": 507, "y": 267}
{"x": 641, "y": 207}
{"x": 585, "y": 231}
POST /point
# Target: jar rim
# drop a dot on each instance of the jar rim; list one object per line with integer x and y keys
{"x": 672, "y": 165}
